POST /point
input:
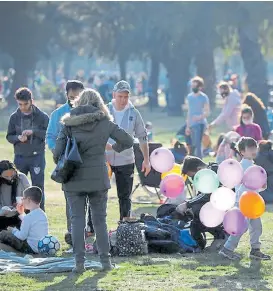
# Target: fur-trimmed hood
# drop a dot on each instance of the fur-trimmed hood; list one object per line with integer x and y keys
{"x": 82, "y": 115}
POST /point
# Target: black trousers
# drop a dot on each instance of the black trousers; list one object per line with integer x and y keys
{"x": 197, "y": 228}
{"x": 124, "y": 180}
{"x": 13, "y": 221}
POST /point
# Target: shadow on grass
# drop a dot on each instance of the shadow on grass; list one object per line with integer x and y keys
{"x": 70, "y": 282}
{"x": 236, "y": 277}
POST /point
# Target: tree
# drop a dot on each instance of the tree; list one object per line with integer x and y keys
{"x": 25, "y": 40}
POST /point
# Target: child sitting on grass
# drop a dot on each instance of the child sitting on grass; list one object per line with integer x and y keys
{"x": 34, "y": 225}
{"x": 180, "y": 150}
{"x": 248, "y": 148}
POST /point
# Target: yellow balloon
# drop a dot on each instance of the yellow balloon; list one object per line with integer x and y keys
{"x": 175, "y": 170}
{"x": 109, "y": 171}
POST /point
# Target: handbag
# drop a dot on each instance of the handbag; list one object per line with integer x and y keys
{"x": 68, "y": 162}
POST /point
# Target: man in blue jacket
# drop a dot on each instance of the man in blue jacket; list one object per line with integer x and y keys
{"x": 73, "y": 89}
{"x": 26, "y": 131}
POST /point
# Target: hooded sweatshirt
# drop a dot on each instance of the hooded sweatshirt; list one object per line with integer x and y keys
{"x": 37, "y": 121}
{"x": 231, "y": 111}
{"x": 131, "y": 121}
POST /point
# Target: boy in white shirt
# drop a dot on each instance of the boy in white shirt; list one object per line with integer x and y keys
{"x": 248, "y": 149}
{"x": 34, "y": 224}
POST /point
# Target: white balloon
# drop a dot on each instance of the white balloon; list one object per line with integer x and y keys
{"x": 223, "y": 198}
{"x": 210, "y": 216}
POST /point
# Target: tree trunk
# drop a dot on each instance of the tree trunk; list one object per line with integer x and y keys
{"x": 204, "y": 61}
{"x": 178, "y": 70}
{"x": 67, "y": 65}
{"x": 22, "y": 67}
{"x": 254, "y": 63}
{"x": 153, "y": 82}
{"x": 53, "y": 69}
{"x": 122, "y": 67}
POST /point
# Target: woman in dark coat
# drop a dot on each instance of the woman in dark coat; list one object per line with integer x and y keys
{"x": 91, "y": 125}
{"x": 259, "y": 110}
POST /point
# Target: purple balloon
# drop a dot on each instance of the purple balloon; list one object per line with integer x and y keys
{"x": 162, "y": 160}
{"x": 234, "y": 222}
{"x": 255, "y": 178}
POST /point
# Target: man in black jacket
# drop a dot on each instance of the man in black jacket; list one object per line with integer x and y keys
{"x": 190, "y": 167}
{"x": 26, "y": 131}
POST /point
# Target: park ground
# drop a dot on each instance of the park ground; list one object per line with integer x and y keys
{"x": 205, "y": 271}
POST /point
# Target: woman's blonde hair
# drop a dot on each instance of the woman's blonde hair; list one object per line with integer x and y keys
{"x": 92, "y": 97}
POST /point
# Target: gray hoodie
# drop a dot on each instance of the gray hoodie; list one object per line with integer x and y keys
{"x": 133, "y": 124}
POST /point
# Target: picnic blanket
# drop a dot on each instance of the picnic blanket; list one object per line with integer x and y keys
{"x": 12, "y": 262}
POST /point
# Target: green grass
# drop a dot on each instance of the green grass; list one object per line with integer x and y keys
{"x": 204, "y": 271}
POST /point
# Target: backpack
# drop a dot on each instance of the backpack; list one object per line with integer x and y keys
{"x": 130, "y": 239}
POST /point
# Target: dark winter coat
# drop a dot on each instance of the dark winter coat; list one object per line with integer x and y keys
{"x": 91, "y": 128}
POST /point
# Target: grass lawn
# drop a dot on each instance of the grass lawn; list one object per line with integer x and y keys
{"x": 204, "y": 271}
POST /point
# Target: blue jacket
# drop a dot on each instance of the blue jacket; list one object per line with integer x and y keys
{"x": 54, "y": 126}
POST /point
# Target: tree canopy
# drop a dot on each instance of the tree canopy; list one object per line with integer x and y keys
{"x": 171, "y": 33}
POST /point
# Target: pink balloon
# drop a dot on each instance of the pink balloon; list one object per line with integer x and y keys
{"x": 234, "y": 222}
{"x": 162, "y": 160}
{"x": 230, "y": 173}
{"x": 255, "y": 178}
{"x": 210, "y": 216}
{"x": 172, "y": 185}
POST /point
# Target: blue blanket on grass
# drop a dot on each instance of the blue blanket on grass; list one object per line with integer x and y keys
{"x": 11, "y": 262}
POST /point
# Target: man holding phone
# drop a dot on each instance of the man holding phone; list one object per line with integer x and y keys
{"x": 26, "y": 131}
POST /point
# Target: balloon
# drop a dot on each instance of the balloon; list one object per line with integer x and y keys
{"x": 210, "y": 216}
{"x": 206, "y": 181}
{"x": 223, "y": 198}
{"x": 109, "y": 171}
{"x": 251, "y": 204}
{"x": 255, "y": 178}
{"x": 230, "y": 173}
{"x": 234, "y": 222}
{"x": 172, "y": 186}
{"x": 175, "y": 170}
{"x": 162, "y": 160}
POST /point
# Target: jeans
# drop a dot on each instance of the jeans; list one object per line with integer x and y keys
{"x": 124, "y": 179}
{"x": 98, "y": 204}
{"x": 89, "y": 224}
{"x": 255, "y": 231}
{"x": 35, "y": 165}
{"x": 197, "y": 132}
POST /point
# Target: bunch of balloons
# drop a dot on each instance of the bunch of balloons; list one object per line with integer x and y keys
{"x": 172, "y": 183}
{"x": 221, "y": 208}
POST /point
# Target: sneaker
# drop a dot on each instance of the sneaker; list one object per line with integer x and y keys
{"x": 78, "y": 269}
{"x": 68, "y": 238}
{"x": 229, "y": 254}
{"x": 108, "y": 267}
{"x": 216, "y": 245}
{"x": 257, "y": 254}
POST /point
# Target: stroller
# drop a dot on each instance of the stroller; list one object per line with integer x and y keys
{"x": 151, "y": 183}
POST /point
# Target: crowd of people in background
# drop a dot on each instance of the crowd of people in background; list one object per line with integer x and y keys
{"x": 97, "y": 111}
